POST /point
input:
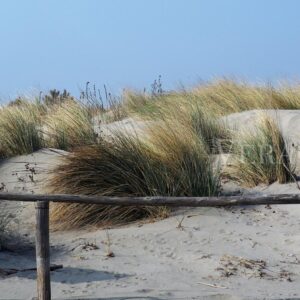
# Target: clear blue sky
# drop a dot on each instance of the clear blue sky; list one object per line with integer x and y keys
{"x": 127, "y": 43}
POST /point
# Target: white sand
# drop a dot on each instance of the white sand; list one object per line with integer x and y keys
{"x": 128, "y": 126}
{"x": 26, "y": 174}
{"x": 158, "y": 260}
{"x": 288, "y": 121}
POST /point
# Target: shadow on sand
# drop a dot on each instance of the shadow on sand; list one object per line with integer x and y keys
{"x": 69, "y": 275}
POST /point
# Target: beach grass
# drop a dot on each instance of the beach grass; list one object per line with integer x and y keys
{"x": 69, "y": 125}
{"x": 219, "y": 97}
{"x": 169, "y": 162}
{"x": 20, "y": 129}
{"x": 173, "y": 157}
{"x": 260, "y": 155}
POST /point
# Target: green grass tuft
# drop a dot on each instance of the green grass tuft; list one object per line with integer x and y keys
{"x": 260, "y": 156}
{"x": 69, "y": 125}
{"x": 20, "y": 130}
{"x": 170, "y": 162}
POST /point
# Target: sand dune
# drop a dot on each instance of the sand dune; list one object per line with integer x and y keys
{"x": 237, "y": 253}
{"x": 288, "y": 121}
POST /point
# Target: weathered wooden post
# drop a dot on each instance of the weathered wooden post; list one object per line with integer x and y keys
{"x": 42, "y": 250}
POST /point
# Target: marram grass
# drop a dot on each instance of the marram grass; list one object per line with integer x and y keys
{"x": 69, "y": 125}
{"x": 170, "y": 163}
{"x": 260, "y": 156}
{"x": 219, "y": 97}
{"x": 173, "y": 158}
{"x": 20, "y": 130}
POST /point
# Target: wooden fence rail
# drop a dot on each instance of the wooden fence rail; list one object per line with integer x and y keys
{"x": 158, "y": 200}
{"x": 42, "y": 217}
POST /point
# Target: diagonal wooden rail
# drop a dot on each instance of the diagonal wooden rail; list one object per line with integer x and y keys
{"x": 42, "y": 216}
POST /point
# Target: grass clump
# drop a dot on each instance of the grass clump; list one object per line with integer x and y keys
{"x": 185, "y": 154}
{"x": 172, "y": 162}
{"x": 219, "y": 98}
{"x": 20, "y": 129}
{"x": 260, "y": 156}
{"x": 224, "y": 97}
{"x": 142, "y": 104}
{"x": 69, "y": 125}
{"x": 211, "y": 130}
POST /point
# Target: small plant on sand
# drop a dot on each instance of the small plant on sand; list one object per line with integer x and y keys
{"x": 20, "y": 129}
{"x": 260, "y": 156}
{"x": 170, "y": 162}
{"x": 69, "y": 125}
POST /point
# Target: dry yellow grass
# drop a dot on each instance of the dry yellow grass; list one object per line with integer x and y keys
{"x": 69, "y": 125}
{"x": 219, "y": 98}
{"x": 172, "y": 161}
{"x": 20, "y": 129}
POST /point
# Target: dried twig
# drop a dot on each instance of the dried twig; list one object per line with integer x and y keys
{"x": 292, "y": 175}
{"x": 179, "y": 226}
{"x": 109, "y": 253}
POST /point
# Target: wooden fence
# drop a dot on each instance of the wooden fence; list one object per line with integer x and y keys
{"x": 42, "y": 217}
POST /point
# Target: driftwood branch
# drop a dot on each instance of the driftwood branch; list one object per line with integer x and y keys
{"x": 158, "y": 200}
